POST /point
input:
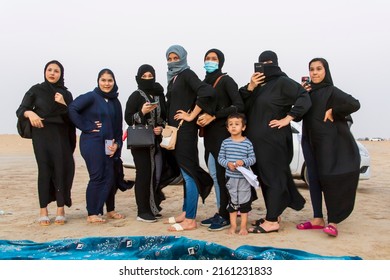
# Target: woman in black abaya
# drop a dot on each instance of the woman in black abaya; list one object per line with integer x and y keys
{"x": 53, "y": 139}
{"x": 187, "y": 96}
{"x": 272, "y": 101}
{"x": 332, "y": 147}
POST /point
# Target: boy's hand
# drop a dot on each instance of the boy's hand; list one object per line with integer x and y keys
{"x": 232, "y": 165}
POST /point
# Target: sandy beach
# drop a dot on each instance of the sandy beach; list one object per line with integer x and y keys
{"x": 365, "y": 233}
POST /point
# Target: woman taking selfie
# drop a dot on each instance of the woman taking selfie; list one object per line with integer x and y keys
{"x": 330, "y": 148}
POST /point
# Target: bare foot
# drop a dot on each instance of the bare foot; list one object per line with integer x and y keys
{"x": 318, "y": 222}
{"x": 177, "y": 219}
{"x": 243, "y": 231}
{"x": 232, "y": 230}
{"x": 187, "y": 224}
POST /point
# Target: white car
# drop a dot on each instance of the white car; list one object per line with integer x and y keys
{"x": 297, "y": 165}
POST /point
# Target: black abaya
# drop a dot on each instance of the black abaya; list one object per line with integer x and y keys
{"x": 273, "y": 147}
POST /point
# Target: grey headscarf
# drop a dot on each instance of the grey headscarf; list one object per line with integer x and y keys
{"x": 177, "y": 67}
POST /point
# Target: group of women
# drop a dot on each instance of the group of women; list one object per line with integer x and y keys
{"x": 271, "y": 100}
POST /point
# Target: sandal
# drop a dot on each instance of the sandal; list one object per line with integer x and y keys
{"x": 331, "y": 230}
{"x": 44, "y": 221}
{"x": 259, "y": 229}
{"x": 308, "y": 225}
{"x": 60, "y": 220}
{"x": 94, "y": 219}
{"x": 115, "y": 216}
{"x": 260, "y": 221}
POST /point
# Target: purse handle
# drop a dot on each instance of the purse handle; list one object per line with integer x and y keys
{"x": 217, "y": 80}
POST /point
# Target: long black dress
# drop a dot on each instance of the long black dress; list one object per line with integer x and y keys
{"x": 184, "y": 92}
{"x": 147, "y": 199}
{"x": 334, "y": 149}
{"x": 53, "y": 144}
{"x": 228, "y": 101}
{"x": 273, "y": 147}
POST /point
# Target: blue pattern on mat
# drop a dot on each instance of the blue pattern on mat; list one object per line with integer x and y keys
{"x": 146, "y": 247}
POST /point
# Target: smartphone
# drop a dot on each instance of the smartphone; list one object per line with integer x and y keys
{"x": 305, "y": 79}
{"x": 153, "y": 103}
{"x": 107, "y": 144}
{"x": 259, "y": 67}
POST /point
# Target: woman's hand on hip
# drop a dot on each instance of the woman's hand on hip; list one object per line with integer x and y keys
{"x": 281, "y": 123}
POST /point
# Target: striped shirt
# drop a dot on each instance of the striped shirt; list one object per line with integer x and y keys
{"x": 231, "y": 151}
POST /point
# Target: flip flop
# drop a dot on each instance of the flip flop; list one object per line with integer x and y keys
{"x": 259, "y": 229}
{"x": 60, "y": 220}
{"x": 171, "y": 220}
{"x": 44, "y": 221}
{"x": 177, "y": 227}
{"x": 115, "y": 216}
{"x": 308, "y": 225}
{"x": 331, "y": 230}
{"x": 95, "y": 220}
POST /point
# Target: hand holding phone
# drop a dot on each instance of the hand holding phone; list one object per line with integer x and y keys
{"x": 259, "y": 67}
{"x": 305, "y": 80}
{"x": 153, "y": 103}
{"x": 108, "y": 143}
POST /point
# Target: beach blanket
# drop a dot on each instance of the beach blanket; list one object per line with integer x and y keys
{"x": 146, "y": 247}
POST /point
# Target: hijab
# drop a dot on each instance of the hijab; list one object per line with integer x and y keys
{"x": 148, "y": 86}
{"x": 175, "y": 68}
{"x": 327, "y": 81}
{"x": 212, "y": 77}
{"x": 271, "y": 70}
{"x": 114, "y": 91}
{"x": 60, "y": 83}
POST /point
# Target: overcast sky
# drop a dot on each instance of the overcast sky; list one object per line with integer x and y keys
{"x": 88, "y": 35}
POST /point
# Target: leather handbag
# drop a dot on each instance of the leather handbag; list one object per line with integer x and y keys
{"x": 24, "y": 128}
{"x": 169, "y": 136}
{"x": 140, "y": 136}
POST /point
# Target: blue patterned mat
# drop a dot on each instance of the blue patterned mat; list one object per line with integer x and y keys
{"x": 146, "y": 247}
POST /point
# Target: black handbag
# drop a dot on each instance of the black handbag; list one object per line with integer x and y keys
{"x": 140, "y": 136}
{"x": 24, "y": 128}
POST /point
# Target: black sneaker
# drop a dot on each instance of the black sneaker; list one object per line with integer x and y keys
{"x": 146, "y": 218}
{"x": 219, "y": 224}
{"x": 209, "y": 221}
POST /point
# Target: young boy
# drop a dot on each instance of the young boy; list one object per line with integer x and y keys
{"x": 237, "y": 150}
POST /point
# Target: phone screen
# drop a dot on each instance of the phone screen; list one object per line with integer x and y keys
{"x": 305, "y": 79}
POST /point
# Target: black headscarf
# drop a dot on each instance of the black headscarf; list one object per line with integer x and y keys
{"x": 327, "y": 81}
{"x": 148, "y": 86}
{"x": 114, "y": 91}
{"x": 60, "y": 83}
{"x": 271, "y": 70}
{"x": 212, "y": 77}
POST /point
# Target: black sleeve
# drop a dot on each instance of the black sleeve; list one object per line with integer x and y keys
{"x": 342, "y": 104}
{"x": 133, "y": 111}
{"x": 235, "y": 103}
{"x": 205, "y": 93}
{"x": 298, "y": 96}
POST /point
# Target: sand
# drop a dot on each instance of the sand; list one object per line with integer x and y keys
{"x": 365, "y": 233}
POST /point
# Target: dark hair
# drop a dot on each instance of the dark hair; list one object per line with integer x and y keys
{"x": 237, "y": 116}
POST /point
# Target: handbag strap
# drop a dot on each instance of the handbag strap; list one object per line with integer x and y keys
{"x": 181, "y": 122}
{"x": 217, "y": 80}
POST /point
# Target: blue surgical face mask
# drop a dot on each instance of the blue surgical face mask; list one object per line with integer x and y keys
{"x": 210, "y": 66}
